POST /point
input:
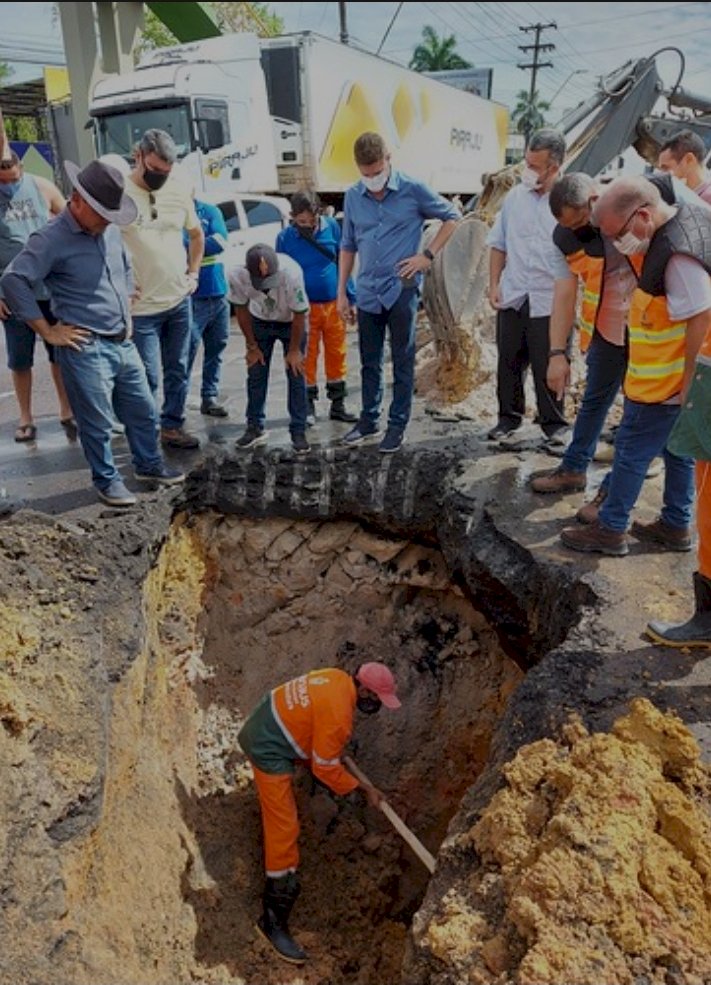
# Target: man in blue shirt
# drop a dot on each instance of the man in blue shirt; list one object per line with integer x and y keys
{"x": 313, "y": 240}
{"x": 211, "y": 310}
{"x": 82, "y": 261}
{"x": 383, "y": 218}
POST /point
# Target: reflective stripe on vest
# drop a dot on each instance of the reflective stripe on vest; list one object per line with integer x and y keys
{"x": 590, "y": 270}
{"x": 211, "y": 260}
{"x": 657, "y": 349}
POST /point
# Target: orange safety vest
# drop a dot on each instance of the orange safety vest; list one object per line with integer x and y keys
{"x": 657, "y": 350}
{"x": 587, "y": 261}
{"x": 315, "y": 713}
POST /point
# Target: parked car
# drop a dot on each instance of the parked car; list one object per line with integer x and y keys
{"x": 250, "y": 219}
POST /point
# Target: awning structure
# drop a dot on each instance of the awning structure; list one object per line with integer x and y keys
{"x": 23, "y": 98}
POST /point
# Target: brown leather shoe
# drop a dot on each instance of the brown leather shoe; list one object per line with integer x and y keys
{"x": 589, "y": 512}
{"x": 178, "y": 438}
{"x": 595, "y": 538}
{"x": 559, "y": 481}
{"x": 662, "y": 535}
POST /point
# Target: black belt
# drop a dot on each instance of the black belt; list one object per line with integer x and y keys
{"x": 121, "y": 337}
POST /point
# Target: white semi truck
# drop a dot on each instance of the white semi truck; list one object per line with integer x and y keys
{"x": 277, "y": 114}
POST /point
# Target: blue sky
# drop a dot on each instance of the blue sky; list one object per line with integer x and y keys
{"x": 591, "y": 38}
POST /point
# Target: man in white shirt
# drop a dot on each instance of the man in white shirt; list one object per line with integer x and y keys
{"x": 522, "y": 271}
{"x": 272, "y": 307}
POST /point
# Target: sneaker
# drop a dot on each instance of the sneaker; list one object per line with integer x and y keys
{"x": 595, "y": 538}
{"x": 211, "y": 408}
{"x": 662, "y": 535}
{"x": 391, "y": 442}
{"x": 116, "y": 494}
{"x": 559, "y": 481}
{"x": 359, "y": 434}
{"x": 311, "y": 417}
{"x": 299, "y": 443}
{"x": 588, "y": 513}
{"x": 526, "y": 437}
{"x": 252, "y": 437}
{"x": 178, "y": 438}
{"x": 162, "y": 474}
{"x": 500, "y": 431}
{"x": 556, "y": 443}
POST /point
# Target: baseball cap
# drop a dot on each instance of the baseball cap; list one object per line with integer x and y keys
{"x": 379, "y": 679}
{"x": 263, "y": 266}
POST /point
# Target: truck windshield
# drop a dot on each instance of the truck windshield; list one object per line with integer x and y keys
{"x": 119, "y": 133}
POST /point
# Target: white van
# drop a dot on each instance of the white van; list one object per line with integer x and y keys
{"x": 250, "y": 219}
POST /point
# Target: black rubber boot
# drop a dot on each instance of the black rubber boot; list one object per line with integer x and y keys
{"x": 278, "y": 902}
{"x": 311, "y": 397}
{"x": 697, "y": 630}
{"x": 337, "y": 395}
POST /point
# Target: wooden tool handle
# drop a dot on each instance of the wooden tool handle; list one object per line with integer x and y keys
{"x": 397, "y": 822}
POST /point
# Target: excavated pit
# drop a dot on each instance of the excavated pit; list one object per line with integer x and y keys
{"x": 141, "y": 863}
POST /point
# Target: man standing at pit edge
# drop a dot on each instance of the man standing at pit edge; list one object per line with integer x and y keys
{"x": 307, "y": 720}
{"x": 382, "y": 223}
{"x": 165, "y": 281}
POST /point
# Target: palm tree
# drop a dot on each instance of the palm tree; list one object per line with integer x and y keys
{"x": 435, "y": 53}
{"x": 528, "y": 114}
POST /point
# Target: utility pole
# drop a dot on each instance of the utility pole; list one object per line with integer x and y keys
{"x": 536, "y": 47}
{"x": 342, "y": 17}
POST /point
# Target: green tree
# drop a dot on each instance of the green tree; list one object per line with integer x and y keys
{"x": 235, "y": 17}
{"x": 529, "y": 112}
{"x": 5, "y": 73}
{"x": 436, "y": 53}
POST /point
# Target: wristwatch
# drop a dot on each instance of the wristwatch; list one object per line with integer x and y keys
{"x": 558, "y": 352}
{"x": 429, "y": 254}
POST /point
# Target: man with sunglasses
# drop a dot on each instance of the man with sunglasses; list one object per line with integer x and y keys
{"x": 670, "y": 312}
{"x": 306, "y": 721}
{"x": 164, "y": 280}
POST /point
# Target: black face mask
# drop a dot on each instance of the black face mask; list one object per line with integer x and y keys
{"x": 154, "y": 179}
{"x": 368, "y": 705}
{"x": 587, "y": 233}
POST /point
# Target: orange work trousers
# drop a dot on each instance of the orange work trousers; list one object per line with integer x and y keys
{"x": 280, "y": 821}
{"x": 703, "y": 516}
{"x": 325, "y": 324}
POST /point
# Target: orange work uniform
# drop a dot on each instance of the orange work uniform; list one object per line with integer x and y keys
{"x": 307, "y": 719}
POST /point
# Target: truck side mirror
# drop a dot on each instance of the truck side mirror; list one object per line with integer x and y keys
{"x": 211, "y": 134}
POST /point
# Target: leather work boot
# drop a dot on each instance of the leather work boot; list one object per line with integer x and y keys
{"x": 662, "y": 535}
{"x": 589, "y": 512}
{"x": 278, "y": 901}
{"x": 559, "y": 481}
{"x": 595, "y": 538}
{"x": 697, "y": 630}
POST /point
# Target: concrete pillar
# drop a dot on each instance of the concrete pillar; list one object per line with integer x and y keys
{"x": 119, "y": 27}
{"x": 82, "y": 53}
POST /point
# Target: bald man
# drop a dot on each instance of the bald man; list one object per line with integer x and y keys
{"x": 668, "y": 317}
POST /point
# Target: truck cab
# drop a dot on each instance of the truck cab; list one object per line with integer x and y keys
{"x": 210, "y": 96}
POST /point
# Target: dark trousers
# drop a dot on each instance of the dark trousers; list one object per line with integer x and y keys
{"x": 523, "y": 341}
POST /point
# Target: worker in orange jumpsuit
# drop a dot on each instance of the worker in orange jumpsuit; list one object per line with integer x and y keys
{"x": 308, "y": 719}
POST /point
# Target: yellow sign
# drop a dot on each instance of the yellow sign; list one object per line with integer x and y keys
{"x": 56, "y": 84}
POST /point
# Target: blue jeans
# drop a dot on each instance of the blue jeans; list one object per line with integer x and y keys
{"x": 105, "y": 380}
{"x": 400, "y": 319}
{"x": 165, "y": 338}
{"x": 606, "y": 367}
{"x": 641, "y": 437}
{"x": 267, "y": 334}
{"x": 211, "y": 326}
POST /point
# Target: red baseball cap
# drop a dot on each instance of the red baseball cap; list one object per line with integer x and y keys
{"x": 379, "y": 679}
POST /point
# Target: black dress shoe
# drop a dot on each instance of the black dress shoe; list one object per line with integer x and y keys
{"x": 212, "y": 409}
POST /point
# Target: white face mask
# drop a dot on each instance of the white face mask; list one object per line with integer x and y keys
{"x": 629, "y": 244}
{"x": 530, "y": 178}
{"x": 376, "y": 182}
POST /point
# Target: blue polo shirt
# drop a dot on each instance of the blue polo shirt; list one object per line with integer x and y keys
{"x": 212, "y": 282}
{"x": 88, "y": 277}
{"x": 385, "y": 231}
{"x": 320, "y": 273}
